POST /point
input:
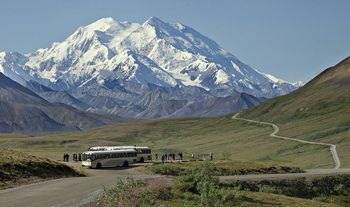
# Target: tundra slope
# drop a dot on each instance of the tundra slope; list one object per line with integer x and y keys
{"x": 316, "y": 112}
{"x": 333, "y": 147}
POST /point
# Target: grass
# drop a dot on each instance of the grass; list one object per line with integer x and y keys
{"x": 257, "y": 199}
{"x": 220, "y": 135}
{"x": 18, "y": 168}
{"x": 315, "y": 112}
{"x": 330, "y": 189}
{"x": 223, "y": 168}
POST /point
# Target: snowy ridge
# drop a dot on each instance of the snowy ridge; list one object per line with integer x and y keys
{"x": 153, "y": 52}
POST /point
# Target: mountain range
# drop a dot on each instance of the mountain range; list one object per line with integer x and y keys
{"x": 23, "y": 111}
{"x": 128, "y": 69}
{"x": 153, "y": 52}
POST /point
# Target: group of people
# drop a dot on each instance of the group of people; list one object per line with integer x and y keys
{"x": 171, "y": 156}
{"x": 76, "y": 157}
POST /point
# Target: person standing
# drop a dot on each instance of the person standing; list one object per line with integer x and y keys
{"x": 192, "y": 156}
{"x": 67, "y": 157}
{"x": 166, "y": 156}
{"x": 203, "y": 156}
{"x": 156, "y": 157}
{"x": 174, "y": 156}
{"x": 162, "y": 159}
{"x": 179, "y": 156}
{"x": 211, "y": 156}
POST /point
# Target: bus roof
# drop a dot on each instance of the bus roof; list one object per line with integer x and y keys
{"x": 110, "y": 151}
{"x": 117, "y": 147}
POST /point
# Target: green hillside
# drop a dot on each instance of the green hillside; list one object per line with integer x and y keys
{"x": 318, "y": 111}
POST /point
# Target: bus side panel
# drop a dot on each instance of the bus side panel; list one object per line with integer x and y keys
{"x": 113, "y": 162}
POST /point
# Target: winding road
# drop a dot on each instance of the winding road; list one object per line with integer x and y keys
{"x": 79, "y": 191}
{"x": 333, "y": 148}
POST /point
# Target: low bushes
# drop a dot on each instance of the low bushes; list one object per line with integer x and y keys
{"x": 197, "y": 188}
{"x": 200, "y": 188}
{"x": 320, "y": 188}
{"x": 223, "y": 168}
{"x": 135, "y": 193}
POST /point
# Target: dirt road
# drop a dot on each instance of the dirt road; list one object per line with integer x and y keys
{"x": 333, "y": 148}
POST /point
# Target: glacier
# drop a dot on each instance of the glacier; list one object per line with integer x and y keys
{"x": 154, "y": 52}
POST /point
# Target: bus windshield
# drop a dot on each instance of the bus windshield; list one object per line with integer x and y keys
{"x": 88, "y": 158}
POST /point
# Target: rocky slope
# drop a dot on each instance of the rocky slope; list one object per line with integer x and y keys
{"x": 23, "y": 111}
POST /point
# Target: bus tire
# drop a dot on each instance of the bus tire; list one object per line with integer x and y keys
{"x": 142, "y": 160}
{"x": 126, "y": 164}
{"x": 98, "y": 166}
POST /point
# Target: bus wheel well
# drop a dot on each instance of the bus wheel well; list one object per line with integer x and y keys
{"x": 126, "y": 163}
{"x": 99, "y": 166}
{"x": 142, "y": 160}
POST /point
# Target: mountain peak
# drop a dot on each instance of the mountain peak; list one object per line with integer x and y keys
{"x": 159, "y": 53}
{"x": 154, "y": 21}
{"x": 103, "y": 24}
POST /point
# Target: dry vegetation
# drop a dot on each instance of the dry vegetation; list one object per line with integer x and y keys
{"x": 18, "y": 168}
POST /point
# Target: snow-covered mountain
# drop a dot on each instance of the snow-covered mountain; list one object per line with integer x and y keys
{"x": 154, "y": 52}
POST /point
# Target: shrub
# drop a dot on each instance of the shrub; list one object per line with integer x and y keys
{"x": 202, "y": 189}
{"x": 315, "y": 188}
{"x": 321, "y": 199}
{"x": 135, "y": 193}
{"x": 269, "y": 189}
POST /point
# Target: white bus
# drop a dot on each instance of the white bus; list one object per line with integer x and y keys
{"x": 109, "y": 158}
{"x": 143, "y": 152}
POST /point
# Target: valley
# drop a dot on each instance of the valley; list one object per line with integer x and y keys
{"x": 221, "y": 135}
{"x": 168, "y": 87}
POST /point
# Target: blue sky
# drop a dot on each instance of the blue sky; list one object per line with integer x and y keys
{"x": 293, "y": 40}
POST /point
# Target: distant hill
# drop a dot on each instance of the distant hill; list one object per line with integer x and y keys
{"x": 318, "y": 111}
{"x": 326, "y": 94}
{"x": 23, "y": 111}
{"x": 203, "y": 108}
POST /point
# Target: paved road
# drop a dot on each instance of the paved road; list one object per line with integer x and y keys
{"x": 65, "y": 192}
{"x": 333, "y": 148}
